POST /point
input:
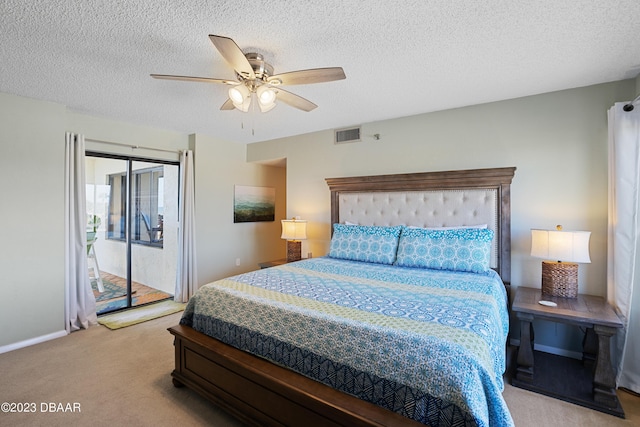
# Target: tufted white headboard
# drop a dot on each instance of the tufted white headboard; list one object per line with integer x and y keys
{"x": 429, "y": 208}
{"x": 431, "y": 199}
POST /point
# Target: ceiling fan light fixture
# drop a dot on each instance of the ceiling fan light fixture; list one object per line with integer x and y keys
{"x": 238, "y": 94}
{"x": 266, "y": 95}
{"x": 265, "y": 108}
{"x": 243, "y": 106}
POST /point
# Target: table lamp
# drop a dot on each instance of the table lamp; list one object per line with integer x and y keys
{"x": 562, "y": 250}
{"x": 294, "y": 230}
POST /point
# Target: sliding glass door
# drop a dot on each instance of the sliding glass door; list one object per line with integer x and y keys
{"x": 132, "y": 208}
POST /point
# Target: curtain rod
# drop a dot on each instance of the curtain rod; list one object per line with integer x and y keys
{"x": 629, "y": 106}
{"x": 133, "y": 147}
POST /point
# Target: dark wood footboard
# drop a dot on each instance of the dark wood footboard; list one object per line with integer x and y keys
{"x": 261, "y": 393}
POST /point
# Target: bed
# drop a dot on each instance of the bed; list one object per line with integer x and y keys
{"x": 372, "y": 334}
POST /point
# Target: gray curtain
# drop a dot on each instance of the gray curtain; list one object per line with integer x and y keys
{"x": 187, "y": 272}
{"x": 80, "y": 304}
{"x": 623, "y": 267}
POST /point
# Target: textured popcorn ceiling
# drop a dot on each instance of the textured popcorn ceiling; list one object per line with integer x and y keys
{"x": 401, "y": 58}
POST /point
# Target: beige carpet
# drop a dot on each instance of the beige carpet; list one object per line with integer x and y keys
{"x": 122, "y": 378}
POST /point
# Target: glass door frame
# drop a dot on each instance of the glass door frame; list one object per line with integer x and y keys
{"x": 129, "y": 205}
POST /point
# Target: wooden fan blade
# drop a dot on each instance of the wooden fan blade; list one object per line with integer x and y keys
{"x": 228, "y": 105}
{"x": 303, "y": 77}
{"x": 294, "y": 100}
{"x": 233, "y": 55}
{"x": 195, "y": 79}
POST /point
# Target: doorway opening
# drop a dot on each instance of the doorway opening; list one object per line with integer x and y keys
{"x": 132, "y": 229}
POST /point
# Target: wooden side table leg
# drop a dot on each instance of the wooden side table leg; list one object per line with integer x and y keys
{"x": 604, "y": 378}
{"x": 589, "y": 348}
{"x": 525, "y": 351}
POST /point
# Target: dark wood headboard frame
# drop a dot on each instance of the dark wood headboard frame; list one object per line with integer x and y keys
{"x": 495, "y": 178}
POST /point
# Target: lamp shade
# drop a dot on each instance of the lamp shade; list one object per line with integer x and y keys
{"x": 557, "y": 245}
{"x": 294, "y": 229}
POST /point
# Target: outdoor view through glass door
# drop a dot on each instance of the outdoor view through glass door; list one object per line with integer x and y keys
{"x": 132, "y": 230}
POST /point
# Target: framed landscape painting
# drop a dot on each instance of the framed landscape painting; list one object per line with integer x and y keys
{"x": 251, "y": 204}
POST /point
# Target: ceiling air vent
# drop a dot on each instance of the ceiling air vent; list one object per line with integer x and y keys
{"x": 344, "y": 136}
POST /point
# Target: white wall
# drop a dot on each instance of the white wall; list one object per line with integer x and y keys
{"x": 557, "y": 141}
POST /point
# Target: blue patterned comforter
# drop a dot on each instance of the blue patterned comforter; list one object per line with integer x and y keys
{"x": 427, "y": 344}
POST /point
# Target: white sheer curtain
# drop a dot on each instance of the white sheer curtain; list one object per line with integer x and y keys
{"x": 623, "y": 266}
{"x": 186, "y": 277}
{"x": 80, "y": 304}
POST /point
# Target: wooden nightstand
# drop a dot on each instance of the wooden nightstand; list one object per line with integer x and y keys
{"x": 569, "y": 379}
{"x": 268, "y": 264}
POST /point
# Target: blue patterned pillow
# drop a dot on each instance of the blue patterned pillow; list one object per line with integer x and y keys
{"x": 365, "y": 243}
{"x": 463, "y": 249}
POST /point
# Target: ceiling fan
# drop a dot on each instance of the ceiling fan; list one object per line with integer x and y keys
{"x": 255, "y": 79}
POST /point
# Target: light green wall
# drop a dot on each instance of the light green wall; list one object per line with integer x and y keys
{"x": 31, "y": 218}
{"x": 103, "y": 129}
{"x": 557, "y": 141}
{"x": 32, "y": 212}
{"x": 219, "y": 166}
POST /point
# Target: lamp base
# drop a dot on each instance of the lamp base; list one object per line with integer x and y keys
{"x": 294, "y": 250}
{"x": 560, "y": 279}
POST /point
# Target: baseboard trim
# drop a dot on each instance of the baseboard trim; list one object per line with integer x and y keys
{"x": 551, "y": 350}
{"x": 32, "y": 341}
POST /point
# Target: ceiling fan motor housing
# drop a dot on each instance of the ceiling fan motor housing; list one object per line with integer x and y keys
{"x": 261, "y": 69}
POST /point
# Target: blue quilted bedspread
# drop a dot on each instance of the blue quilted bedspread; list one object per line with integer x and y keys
{"x": 427, "y": 344}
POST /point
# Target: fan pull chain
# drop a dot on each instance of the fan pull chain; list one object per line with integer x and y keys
{"x": 254, "y": 100}
{"x": 253, "y": 131}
